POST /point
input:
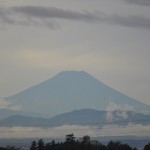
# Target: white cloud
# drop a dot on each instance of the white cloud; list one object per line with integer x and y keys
{"x": 122, "y": 113}
{"x": 113, "y": 106}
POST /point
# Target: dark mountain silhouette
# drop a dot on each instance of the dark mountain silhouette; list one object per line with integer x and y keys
{"x": 5, "y": 113}
{"x": 70, "y": 90}
{"x": 23, "y": 121}
{"x": 88, "y": 117}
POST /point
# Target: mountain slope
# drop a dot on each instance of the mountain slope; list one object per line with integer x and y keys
{"x": 70, "y": 90}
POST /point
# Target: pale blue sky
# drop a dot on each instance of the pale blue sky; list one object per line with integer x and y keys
{"x": 108, "y": 39}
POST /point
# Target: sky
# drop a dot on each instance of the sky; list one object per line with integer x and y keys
{"x": 108, "y": 39}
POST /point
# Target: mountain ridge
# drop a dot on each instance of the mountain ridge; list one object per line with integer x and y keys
{"x": 88, "y": 117}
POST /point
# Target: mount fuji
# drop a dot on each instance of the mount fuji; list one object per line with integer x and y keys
{"x": 71, "y": 90}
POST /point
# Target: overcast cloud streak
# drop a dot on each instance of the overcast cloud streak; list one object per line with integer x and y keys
{"x": 52, "y": 12}
{"x": 139, "y": 2}
{"x": 130, "y": 21}
{"x": 42, "y": 16}
{"x": 48, "y": 16}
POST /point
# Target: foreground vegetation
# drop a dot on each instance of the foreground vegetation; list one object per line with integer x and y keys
{"x": 82, "y": 144}
{"x": 71, "y": 143}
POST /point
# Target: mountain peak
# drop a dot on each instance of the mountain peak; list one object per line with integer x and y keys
{"x": 72, "y": 74}
{"x": 70, "y": 90}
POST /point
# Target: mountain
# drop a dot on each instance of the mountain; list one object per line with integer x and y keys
{"x": 95, "y": 117}
{"x": 70, "y": 90}
{"x": 5, "y": 113}
{"x": 23, "y": 121}
{"x": 86, "y": 117}
{"x": 80, "y": 117}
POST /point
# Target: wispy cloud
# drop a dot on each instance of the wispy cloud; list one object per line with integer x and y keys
{"x": 49, "y": 17}
{"x": 135, "y": 21}
{"x": 52, "y": 12}
{"x": 3, "y": 103}
{"x": 42, "y": 16}
{"x": 6, "y": 104}
{"x": 113, "y": 107}
{"x": 139, "y": 2}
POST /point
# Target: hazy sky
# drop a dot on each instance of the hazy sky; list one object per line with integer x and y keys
{"x": 108, "y": 39}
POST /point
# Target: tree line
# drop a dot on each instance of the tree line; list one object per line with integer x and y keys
{"x": 85, "y": 143}
{"x": 71, "y": 143}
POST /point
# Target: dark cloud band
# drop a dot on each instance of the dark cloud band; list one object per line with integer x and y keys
{"x": 42, "y": 16}
{"x": 139, "y": 2}
{"x": 52, "y": 12}
{"x": 49, "y": 17}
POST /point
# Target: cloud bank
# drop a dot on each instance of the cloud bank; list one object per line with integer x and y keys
{"x": 49, "y": 16}
{"x": 79, "y": 131}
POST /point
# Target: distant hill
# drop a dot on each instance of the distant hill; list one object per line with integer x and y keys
{"x": 23, "y": 121}
{"x": 4, "y": 113}
{"x": 88, "y": 117}
{"x": 70, "y": 90}
{"x": 93, "y": 117}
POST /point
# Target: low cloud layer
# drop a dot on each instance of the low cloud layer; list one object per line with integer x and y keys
{"x": 49, "y": 16}
{"x": 79, "y": 131}
{"x": 139, "y": 2}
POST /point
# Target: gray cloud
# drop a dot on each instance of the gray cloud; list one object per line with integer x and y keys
{"x": 52, "y": 12}
{"x": 42, "y": 16}
{"x": 48, "y": 16}
{"x": 139, "y": 2}
{"x": 130, "y": 21}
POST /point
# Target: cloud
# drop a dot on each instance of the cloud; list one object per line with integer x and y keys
{"x": 3, "y": 103}
{"x": 39, "y": 16}
{"x": 113, "y": 106}
{"x": 121, "y": 113}
{"x": 139, "y": 2}
{"x": 6, "y": 104}
{"x": 53, "y": 132}
{"x": 52, "y": 12}
{"x": 134, "y": 21}
{"x": 77, "y": 130}
{"x": 42, "y": 16}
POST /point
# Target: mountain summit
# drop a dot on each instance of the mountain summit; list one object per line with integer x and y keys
{"x": 70, "y": 90}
